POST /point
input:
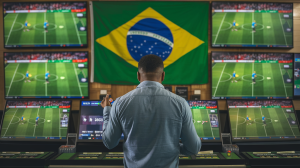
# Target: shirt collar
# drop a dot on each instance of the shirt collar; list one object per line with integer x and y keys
{"x": 150, "y": 84}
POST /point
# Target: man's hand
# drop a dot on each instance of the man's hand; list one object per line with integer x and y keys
{"x": 105, "y": 102}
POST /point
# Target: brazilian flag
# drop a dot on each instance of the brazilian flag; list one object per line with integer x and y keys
{"x": 124, "y": 32}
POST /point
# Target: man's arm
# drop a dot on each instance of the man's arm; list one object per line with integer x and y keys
{"x": 191, "y": 143}
{"x": 112, "y": 129}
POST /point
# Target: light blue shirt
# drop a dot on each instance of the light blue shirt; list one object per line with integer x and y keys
{"x": 46, "y": 75}
{"x": 233, "y": 23}
{"x": 253, "y": 24}
{"x": 233, "y": 75}
{"x": 152, "y": 120}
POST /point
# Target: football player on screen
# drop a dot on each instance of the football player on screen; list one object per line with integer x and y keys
{"x": 26, "y": 26}
{"x": 22, "y": 119}
{"x": 47, "y": 75}
{"x": 248, "y": 120}
{"x": 37, "y": 120}
{"x": 233, "y": 77}
{"x": 253, "y": 77}
{"x": 253, "y": 26}
{"x": 233, "y": 26}
{"x": 264, "y": 120}
{"x": 27, "y": 77}
{"x": 46, "y": 26}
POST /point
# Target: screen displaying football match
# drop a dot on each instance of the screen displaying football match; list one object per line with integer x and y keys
{"x": 206, "y": 119}
{"x": 46, "y": 75}
{"x": 252, "y": 75}
{"x": 297, "y": 76}
{"x": 45, "y": 24}
{"x": 91, "y": 121}
{"x": 263, "y": 120}
{"x": 249, "y": 24}
{"x": 35, "y": 120}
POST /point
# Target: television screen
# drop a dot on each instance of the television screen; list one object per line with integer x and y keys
{"x": 46, "y": 75}
{"x": 35, "y": 120}
{"x": 45, "y": 24}
{"x": 206, "y": 119}
{"x": 249, "y": 24}
{"x": 297, "y": 76}
{"x": 252, "y": 75}
{"x": 91, "y": 121}
{"x": 263, "y": 120}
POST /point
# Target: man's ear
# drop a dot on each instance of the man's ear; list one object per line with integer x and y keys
{"x": 139, "y": 76}
{"x": 163, "y": 76}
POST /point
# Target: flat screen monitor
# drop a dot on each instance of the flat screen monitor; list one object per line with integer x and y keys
{"x": 297, "y": 77}
{"x": 206, "y": 119}
{"x": 45, "y": 24}
{"x": 252, "y": 24}
{"x": 263, "y": 120}
{"x": 58, "y": 75}
{"x": 252, "y": 75}
{"x": 91, "y": 121}
{"x": 31, "y": 120}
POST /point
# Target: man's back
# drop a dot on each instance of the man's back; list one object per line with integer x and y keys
{"x": 153, "y": 120}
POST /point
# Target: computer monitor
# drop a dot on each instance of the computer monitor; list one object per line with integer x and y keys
{"x": 252, "y": 24}
{"x": 206, "y": 119}
{"x": 45, "y": 24}
{"x": 297, "y": 76}
{"x": 241, "y": 75}
{"x": 263, "y": 120}
{"x": 91, "y": 121}
{"x": 35, "y": 120}
{"x": 55, "y": 75}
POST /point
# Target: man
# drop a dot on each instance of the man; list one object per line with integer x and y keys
{"x": 26, "y": 26}
{"x": 253, "y": 26}
{"x": 253, "y": 77}
{"x": 264, "y": 120}
{"x": 27, "y": 77}
{"x": 233, "y": 77}
{"x": 46, "y": 26}
{"x": 248, "y": 120}
{"x": 22, "y": 119}
{"x": 233, "y": 26}
{"x": 37, "y": 120}
{"x": 47, "y": 75}
{"x": 152, "y": 120}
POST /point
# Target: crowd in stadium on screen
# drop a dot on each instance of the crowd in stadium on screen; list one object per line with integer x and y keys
{"x": 252, "y": 56}
{"x": 43, "y": 6}
{"x": 38, "y": 103}
{"x": 260, "y": 103}
{"x": 202, "y": 103}
{"x": 251, "y": 6}
{"x": 45, "y": 56}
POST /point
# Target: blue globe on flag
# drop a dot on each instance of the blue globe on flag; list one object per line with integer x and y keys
{"x": 149, "y": 36}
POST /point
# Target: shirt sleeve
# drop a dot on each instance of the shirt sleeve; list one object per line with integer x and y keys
{"x": 191, "y": 143}
{"x": 112, "y": 129}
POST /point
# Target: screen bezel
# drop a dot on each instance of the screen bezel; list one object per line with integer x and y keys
{"x": 211, "y": 24}
{"x": 32, "y": 139}
{"x": 296, "y": 97}
{"x": 239, "y": 98}
{"x": 258, "y": 140}
{"x": 220, "y": 130}
{"x": 87, "y": 25}
{"x": 28, "y": 97}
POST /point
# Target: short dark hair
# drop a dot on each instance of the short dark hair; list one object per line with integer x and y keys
{"x": 150, "y": 63}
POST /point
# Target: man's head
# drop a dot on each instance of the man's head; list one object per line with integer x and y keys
{"x": 151, "y": 68}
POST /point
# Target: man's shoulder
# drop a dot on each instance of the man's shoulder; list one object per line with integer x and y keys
{"x": 159, "y": 92}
